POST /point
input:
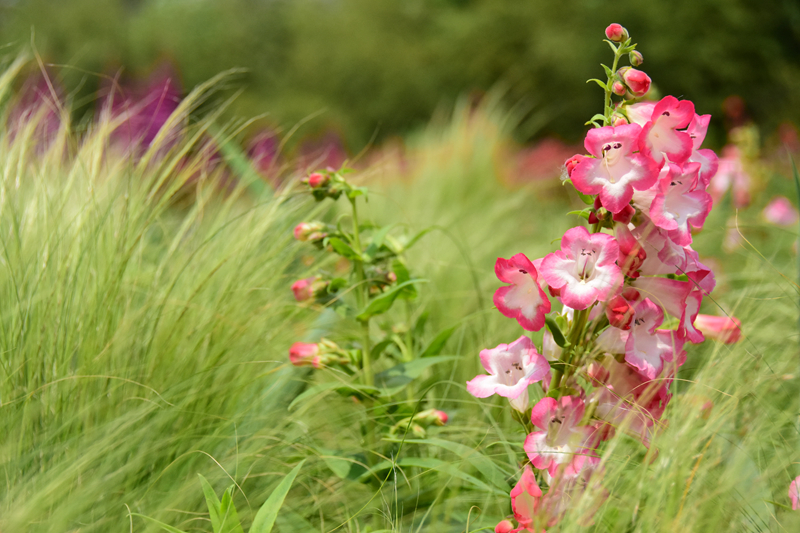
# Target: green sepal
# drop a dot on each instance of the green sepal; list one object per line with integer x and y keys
{"x": 558, "y": 336}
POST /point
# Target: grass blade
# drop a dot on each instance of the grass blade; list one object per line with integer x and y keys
{"x": 265, "y": 518}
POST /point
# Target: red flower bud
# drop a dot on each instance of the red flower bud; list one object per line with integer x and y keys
{"x": 618, "y": 88}
{"x": 637, "y": 81}
{"x": 309, "y": 231}
{"x": 441, "y": 418}
{"x": 304, "y": 354}
{"x": 573, "y": 162}
{"x": 505, "y": 526}
{"x": 593, "y": 218}
{"x": 616, "y": 33}
{"x": 317, "y": 180}
{"x": 625, "y": 215}
{"x": 619, "y": 312}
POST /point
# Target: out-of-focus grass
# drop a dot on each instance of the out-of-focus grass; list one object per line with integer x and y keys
{"x": 147, "y": 315}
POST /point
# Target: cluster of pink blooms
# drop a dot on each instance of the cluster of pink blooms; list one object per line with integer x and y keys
{"x": 630, "y": 299}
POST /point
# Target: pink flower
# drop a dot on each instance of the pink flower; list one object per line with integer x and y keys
{"x": 562, "y": 441}
{"x": 709, "y": 163}
{"x": 305, "y": 354}
{"x": 637, "y": 81}
{"x": 689, "y": 317}
{"x": 731, "y": 175}
{"x": 640, "y": 113}
{"x": 794, "y": 490}
{"x": 781, "y": 212}
{"x": 660, "y": 136}
{"x": 511, "y": 367}
{"x": 678, "y": 205}
{"x": 719, "y": 328}
{"x": 619, "y": 312}
{"x": 585, "y": 269}
{"x": 616, "y": 33}
{"x": 525, "y": 497}
{"x": 614, "y": 171}
{"x": 647, "y": 348}
{"x": 668, "y": 294}
{"x": 573, "y": 162}
{"x": 303, "y": 289}
{"x": 523, "y": 299}
{"x": 631, "y": 253}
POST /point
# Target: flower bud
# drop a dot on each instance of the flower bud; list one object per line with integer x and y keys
{"x": 625, "y": 215}
{"x": 615, "y": 32}
{"x": 441, "y": 418}
{"x": 573, "y": 162}
{"x": 619, "y": 120}
{"x": 619, "y": 313}
{"x": 635, "y": 58}
{"x": 637, "y": 81}
{"x": 618, "y": 88}
{"x": 304, "y": 354}
{"x": 391, "y": 277}
{"x": 593, "y": 218}
{"x": 317, "y": 180}
{"x": 720, "y": 328}
{"x": 303, "y": 289}
{"x": 309, "y": 231}
{"x": 505, "y": 526}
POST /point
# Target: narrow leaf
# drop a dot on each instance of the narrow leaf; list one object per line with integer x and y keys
{"x": 228, "y": 517}
{"x": 344, "y": 249}
{"x": 162, "y": 525}
{"x": 558, "y": 337}
{"x": 598, "y": 82}
{"x": 438, "y": 343}
{"x": 265, "y": 518}
{"x": 212, "y": 502}
{"x": 383, "y": 303}
{"x": 582, "y": 213}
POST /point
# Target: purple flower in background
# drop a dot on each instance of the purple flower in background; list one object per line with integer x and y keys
{"x": 40, "y": 102}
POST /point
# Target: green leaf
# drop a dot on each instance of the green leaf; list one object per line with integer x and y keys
{"x": 487, "y": 467}
{"x": 228, "y": 517}
{"x": 437, "y": 344}
{"x": 265, "y": 518}
{"x": 400, "y": 270}
{"x": 356, "y": 192}
{"x": 382, "y": 303}
{"x": 212, "y": 502}
{"x": 419, "y": 326}
{"x": 344, "y": 249}
{"x": 349, "y": 389}
{"x": 612, "y": 45}
{"x": 336, "y": 284}
{"x": 340, "y": 467}
{"x": 377, "y": 241}
{"x": 440, "y": 466}
{"x": 598, "y": 82}
{"x": 378, "y": 349}
{"x": 585, "y": 198}
{"x": 558, "y": 336}
{"x": 399, "y": 376}
{"x": 609, "y": 72}
{"x": 162, "y": 525}
{"x": 582, "y": 213}
{"x": 416, "y": 238}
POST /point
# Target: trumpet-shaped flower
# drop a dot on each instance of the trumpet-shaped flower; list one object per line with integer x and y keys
{"x": 668, "y": 294}
{"x": 660, "y": 138}
{"x": 525, "y": 498}
{"x": 689, "y": 316}
{"x": 614, "y": 171}
{"x": 524, "y": 299}
{"x": 719, "y": 328}
{"x": 585, "y": 269}
{"x": 511, "y": 367}
{"x": 562, "y": 441}
{"x": 794, "y": 493}
{"x": 678, "y": 205}
{"x": 708, "y": 160}
{"x": 647, "y": 348}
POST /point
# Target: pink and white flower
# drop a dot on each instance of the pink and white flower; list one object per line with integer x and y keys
{"x": 678, "y": 205}
{"x": 562, "y": 441}
{"x": 305, "y": 354}
{"x": 524, "y": 299}
{"x": 647, "y": 348}
{"x": 660, "y": 138}
{"x": 668, "y": 294}
{"x": 585, "y": 269}
{"x": 781, "y": 212}
{"x": 719, "y": 328}
{"x": 511, "y": 367}
{"x": 794, "y": 493}
{"x": 525, "y": 498}
{"x": 614, "y": 171}
{"x": 732, "y": 175}
{"x": 708, "y": 160}
{"x": 689, "y": 316}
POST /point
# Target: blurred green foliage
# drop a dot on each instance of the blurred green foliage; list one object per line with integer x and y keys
{"x": 380, "y": 68}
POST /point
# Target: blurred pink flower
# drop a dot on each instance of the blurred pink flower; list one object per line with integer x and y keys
{"x": 794, "y": 493}
{"x": 731, "y": 175}
{"x": 781, "y": 212}
{"x": 720, "y": 328}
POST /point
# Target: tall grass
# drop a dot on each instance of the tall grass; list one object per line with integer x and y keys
{"x": 147, "y": 317}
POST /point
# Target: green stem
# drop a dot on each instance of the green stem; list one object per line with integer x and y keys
{"x": 362, "y": 296}
{"x": 608, "y": 111}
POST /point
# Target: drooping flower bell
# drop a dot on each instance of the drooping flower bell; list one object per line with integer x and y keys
{"x": 679, "y": 204}
{"x": 661, "y": 137}
{"x": 523, "y": 299}
{"x": 562, "y": 441}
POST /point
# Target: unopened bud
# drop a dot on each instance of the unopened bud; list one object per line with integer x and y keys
{"x": 431, "y": 417}
{"x": 618, "y": 88}
{"x": 309, "y": 231}
{"x": 317, "y": 180}
{"x": 636, "y": 58}
{"x": 573, "y": 162}
{"x": 637, "y": 81}
{"x": 615, "y": 32}
{"x": 391, "y": 277}
{"x": 505, "y": 526}
{"x": 618, "y": 120}
{"x": 305, "y": 289}
{"x": 625, "y": 215}
{"x": 304, "y": 354}
{"x": 619, "y": 313}
{"x": 593, "y": 218}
